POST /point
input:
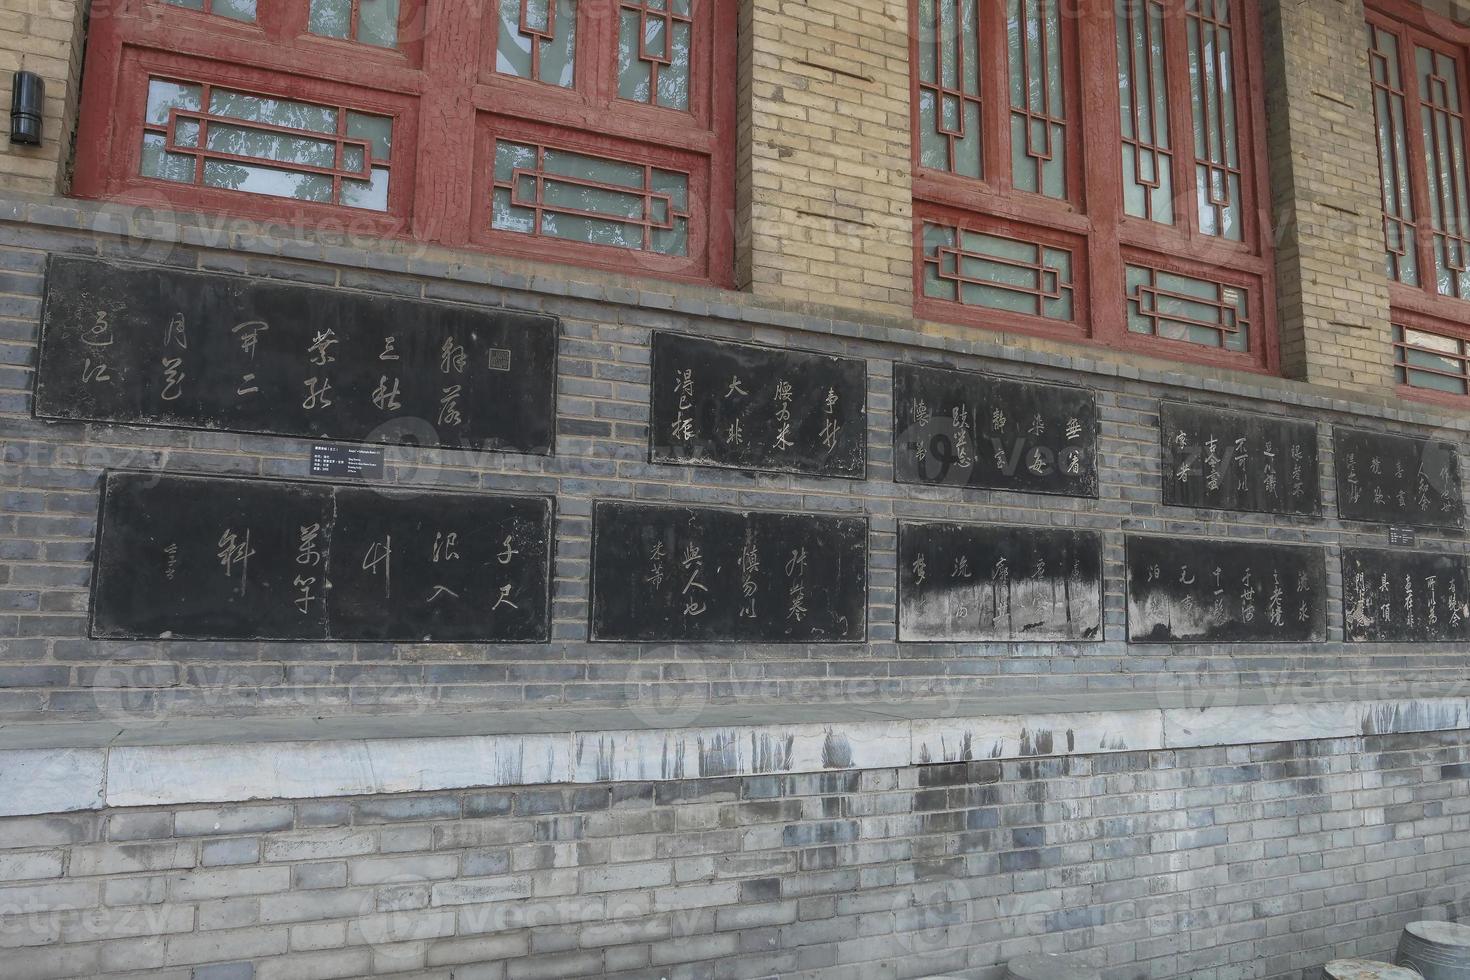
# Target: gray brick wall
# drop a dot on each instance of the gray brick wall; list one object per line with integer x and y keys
{"x": 51, "y": 471}
{"x": 1215, "y": 864}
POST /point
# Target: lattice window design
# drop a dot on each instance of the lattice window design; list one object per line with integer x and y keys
{"x": 211, "y": 136}
{"x": 1143, "y": 106}
{"x": 1038, "y": 106}
{"x": 538, "y": 40}
{"x": 654, "y": 39}
{"x": 950, "y": 135}
{"x": 1443, "y": 124}
{"x": 1389, "y": 107}
{"x": 1213, "y": 84}
{"x": 241, "y": 10}
{"x": 1180, "y": 307}
{"x": 982, "y": 269}
{"x": 373, "y": 22}
{"x": 549, "y": 191}
{"x": 1430, "y": 360}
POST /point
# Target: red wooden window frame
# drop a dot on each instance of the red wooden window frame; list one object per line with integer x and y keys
{"x": 1422, "y": 307}
{"x": 1093, "y": 211}
{"x": 445, "y": 97}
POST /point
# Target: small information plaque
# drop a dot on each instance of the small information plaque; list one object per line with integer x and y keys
{"x": 347, "y": 461}
{"x": 1402, "y": 537}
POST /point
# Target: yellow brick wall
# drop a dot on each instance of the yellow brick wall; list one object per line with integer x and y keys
{"x": 43, "y": 36}
{"x": 1332, "y": 290}
{"x": 824, "y": 192}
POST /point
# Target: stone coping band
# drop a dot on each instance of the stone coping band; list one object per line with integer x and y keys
{"x": 70, "y": 766}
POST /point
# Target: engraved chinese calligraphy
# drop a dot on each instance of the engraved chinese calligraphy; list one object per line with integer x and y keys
{"x": 156, "y": 346}
{"x": 760, "y": 408}
{"x": 978, "y": 583}
{"x": 1238, "y": 461}
{"x": 1397, "y": 479}
{"x": 1193, "y": 589}
{"x": 1405, "y": 596}
{"x": 216, "y": 558}
{"x": 962, "y": 429}
{"x": 663, "y": 573}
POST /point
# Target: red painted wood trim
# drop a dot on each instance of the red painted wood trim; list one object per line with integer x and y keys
{"x": 440, "y": 94}
{"x": 1106, "y": 239}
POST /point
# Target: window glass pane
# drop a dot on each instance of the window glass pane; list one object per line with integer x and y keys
{"x": 997, "y": 272}
{"x": 163, "y": 96}
{"x": 268, "y": 180}
{"x": 1212, "y": 92}
{"x": 377, "y": 23}
{"x": 277, "y": 112}
{"x": 157, "y": 162}
{"x": 542, "y": 47}
{"x": 949, "y": 87}
{"x": 1186, "y": 308}
{"x": 1038, "y": 108}
{"x": 242, "y": 10}
{"x": 302, "y": 157}
{"x": 235, "y": 9}
{"x": 330, "y": 18}
{"x": 653, "y": 54}
{"x": 371, "y": 194}
{"x": 248, "y": 142}
{"x": 592, "y": 199}
{"x": 1442, "y": 125}
{"x": 377, "y": 130}
{"x": 1430, "y": 360}
{"x": 1148, "y": 184}
{"x": 1401, "y": 259}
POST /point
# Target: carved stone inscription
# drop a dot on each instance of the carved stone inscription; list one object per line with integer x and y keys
{"x": 685, "y": 573}
{"x": 979, "y": 583}
{"x": 1192, "y": 589}
{"x": 1397, "y": 479}
{"x": 156, "y": 346}
{"x": 1238, "y": 461}
{"x": 1405, "y": 596}
{"x": 958, "y": 428}
{"x": 759, "y": 408}
{"x": 214, "y": 558}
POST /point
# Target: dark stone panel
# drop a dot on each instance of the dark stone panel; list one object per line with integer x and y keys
{"x": 964, "y": 429}
{"x": 665, "y": 573}
{"x": 744, "y": 406}
{"x": 218, "y": 558}
{"x": 978, "y": 583}
{"x": 1404, "y": 596}
{"x": 1397, "y": 479}
{"x": 156, "y": 346}
{"x": 1238, "y": 461}
{"x": 1197, "y": 589}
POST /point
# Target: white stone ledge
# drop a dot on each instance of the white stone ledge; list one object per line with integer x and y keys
{"x": 60, "y": 767}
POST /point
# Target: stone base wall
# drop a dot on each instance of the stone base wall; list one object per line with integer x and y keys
{"x": 1259, "y": 861}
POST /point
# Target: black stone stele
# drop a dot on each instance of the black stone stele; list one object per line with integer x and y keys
{"x": 1405, "y": 596}
{"x": 667, "y": 574}
{"x": 995, "y": 583}
{"x": 1397, "y": 479}
{"x": 1223, "y": 460}
{"x": 963, "y": 429}
{"x": 145, "y": 345}
{"x": 219, "y": 558}
{"x": 1207, "y": 591}
{"x": 745, "y": 406}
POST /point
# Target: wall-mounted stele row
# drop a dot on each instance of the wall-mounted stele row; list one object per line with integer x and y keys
{"x": 228, "y": 558}
{"x": 159, "y": 346}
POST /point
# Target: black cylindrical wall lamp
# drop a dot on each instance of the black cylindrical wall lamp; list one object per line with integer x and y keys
{"x": 27, "y": 97}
